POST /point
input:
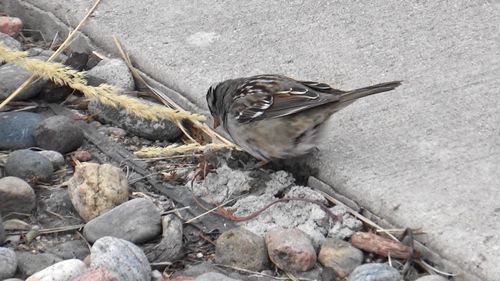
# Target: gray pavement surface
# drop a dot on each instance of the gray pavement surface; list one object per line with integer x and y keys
{"x": 426, "y": 155}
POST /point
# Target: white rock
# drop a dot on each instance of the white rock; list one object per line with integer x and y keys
{"x": 61, "y": 271}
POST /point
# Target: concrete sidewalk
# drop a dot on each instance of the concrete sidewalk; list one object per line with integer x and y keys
{"x": 426, "y": 155}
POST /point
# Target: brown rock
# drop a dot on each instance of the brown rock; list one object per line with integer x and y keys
{"x": 241, "y": 248}
{"x": 290, "y": 249}
{"x": 10, "y": 25}
{"x": 379, "y": 245}
{"x": 83, "y": 155}
{"x": 95, "y": 188}
{"x": 340, "y": 256}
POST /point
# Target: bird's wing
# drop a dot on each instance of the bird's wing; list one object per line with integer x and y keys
{"x": 272, "y": 96}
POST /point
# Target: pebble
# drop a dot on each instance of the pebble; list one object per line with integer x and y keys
{"x": 170, "y": 245}
{"x": 10, "y": 42}
{"x": 17, "y": 129}
{"x": 61, "y": 271}
{"x": 17, "y": 196}
{"x": 290, "y": 249}
{"x": 11, "y": 25}
{"x": 56, "y": 158}
{"x": 2, "y": 231}
{"x": 8, "y": 263}
{"x": 28, "y": 165}
{"x": 114, "y": 72}
{"x": 137, "y": 220}
{"x": 99, "y": 274}
{"x": 214, "y": 276}
{"x": 122, "y": 257}
{"x": 95, "y": 189}
{"x": 82, "y": 155}
{"x": 43, "y": 54}
{"x": 340, "y": 255}
{"x": 432, "y": 278}
{"x": 241, "y": 248}
{"x": 162, "y": 129}
{"x": 375, "y": 272}
{"x": 12, "y": 76}
{"x": 73, "y": 249}
{"x": 54, "y": 93}
{"x": 28, "y": 263}
{"x": 59, "y": 133}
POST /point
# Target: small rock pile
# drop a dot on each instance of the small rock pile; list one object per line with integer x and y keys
{"x": 69, "y": 212}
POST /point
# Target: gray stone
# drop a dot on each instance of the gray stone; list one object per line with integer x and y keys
{"x": 243, "y": 249}
{"x": 137, "y": 220}
{"x": 58, "y": 133}
{"x": 12, "y": 76}
{"x": 122, "y": 257}
{"x": 17, "y": 196}
{"x": 17, "y": 129}
{"x": 162, "y": 129}
{"x": 432, "y": 278}
{"x": 8, "y": 263}
{"x": 114, "y": 72}
{"x": 45, "y": 54}
{"x": 54, "y": 93}
{"x": 28, "y": 165}
{"x": 10, "y": 42}
{"x": 56, "y": 158}
{"x": 340, "y": 255}
{"x": 73, "y": 249}
{"x": 214, "y": 276}
{"x": 29, "y": 263}
{"x": 170, "y": 245}
{"x": 375, "y": 272}
{"x": 194, "y": 270}
{"x": 2, "y": 231}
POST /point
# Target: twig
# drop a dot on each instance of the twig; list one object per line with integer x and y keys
{"x": 208, "y": 212}
{"x": 53, "y": 230}
{"x": 174, "y": 210}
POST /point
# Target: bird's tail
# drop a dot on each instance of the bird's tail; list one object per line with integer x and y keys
{"x": 371, "y": 90}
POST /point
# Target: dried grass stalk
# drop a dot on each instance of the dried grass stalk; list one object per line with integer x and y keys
{"x": 151, "y": 152}
{"x": 104, "y": 93}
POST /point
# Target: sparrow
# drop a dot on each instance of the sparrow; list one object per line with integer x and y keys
{"x": 277, "y": 117}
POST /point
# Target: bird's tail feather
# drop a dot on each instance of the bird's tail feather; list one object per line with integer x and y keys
{"x": 371, "y": 90}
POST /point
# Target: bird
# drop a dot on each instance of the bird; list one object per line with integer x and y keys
{"x": 275, "y": 117}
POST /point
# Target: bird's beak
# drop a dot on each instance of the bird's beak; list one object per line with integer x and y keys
{"x": 216, "y": 122}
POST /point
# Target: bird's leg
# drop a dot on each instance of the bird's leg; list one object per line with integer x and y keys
{"x": 258, "y": 165}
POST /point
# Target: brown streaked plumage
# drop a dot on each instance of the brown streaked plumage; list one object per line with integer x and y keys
{"x": 274, "y": 116}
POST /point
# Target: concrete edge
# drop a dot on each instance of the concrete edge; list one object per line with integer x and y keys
{"x": 438, "y": 261}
